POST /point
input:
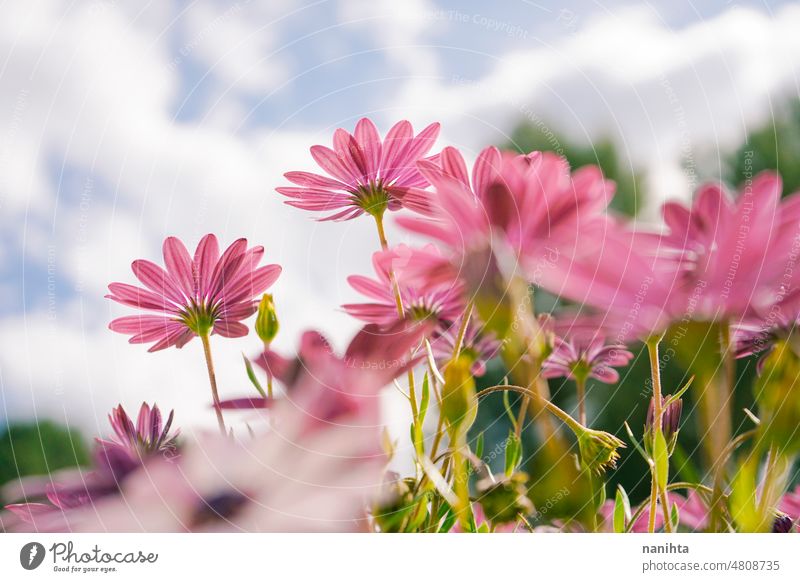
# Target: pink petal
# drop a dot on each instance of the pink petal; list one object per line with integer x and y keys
{"x": 206, "y": 257}
{"x": 486, "y": 170}
{"x": 251, "y": 284}
{"x": 366, "y": 135}
{"x": 230, "y": 329}
{"x": 350, "y": 154}
{"x": 329, "y": 161}
{"x": 157, "y": 280}
{"x": 369, "y": 287}
{"x": 138, "y": 297}
{"x": 135, "y": 324}
{"x": 179, "y": 264}
{"x": 393, "y": 146}
{"x": 314, "y": 181}
{"x": 227, "y": 268}
{"x": 452, "y": 163}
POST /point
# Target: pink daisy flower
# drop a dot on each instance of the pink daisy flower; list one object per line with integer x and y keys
{"x": 721, "y": 258}
{"x": 316, "y": 467}
{"x": 480, "y": 346}
{"x": 207, "y": 294}
{"x": 437, "y": 301}
{"x": 735, "y": 249}
{"x": 365, "y": 173}
{"x": 114, "y": 461}
{"x": 148, "y": 436}
{"x": 530, "y": 206}
{"x": 588, "y": 359}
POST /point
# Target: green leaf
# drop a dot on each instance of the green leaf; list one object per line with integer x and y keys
{"x": 679, "y": 393}
{"x": 449, "y": 518}
{"x": 513, "y": 453}
{"x": 674, "y": 517}
{"x": 636, "y": 445}
{"x": 622, "y": 510}
{"x": 661, "y": 459}
{"x": 252, "y": 375}
{"x": 509, "y": 412}
{"x": 425, "y": 400}
{"x": 479, "y": 444}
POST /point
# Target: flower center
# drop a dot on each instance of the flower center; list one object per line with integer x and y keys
{"x": 372, "y": 198}
{"x": 199, "y": 318}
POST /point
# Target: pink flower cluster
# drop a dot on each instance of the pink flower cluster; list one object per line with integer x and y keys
{"x": 313, "y": 461}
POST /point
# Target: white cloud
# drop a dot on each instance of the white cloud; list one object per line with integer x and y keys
{"x": 91, "y": 90}
{"x": 660, "y": 93}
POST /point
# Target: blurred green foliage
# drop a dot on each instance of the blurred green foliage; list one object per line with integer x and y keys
{"x": 38, "y": 449}
{"x": 774, "y": 146}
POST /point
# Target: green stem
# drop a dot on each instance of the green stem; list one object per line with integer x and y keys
{"x": 658, "y": 414}
{"x": 212, "y": 378}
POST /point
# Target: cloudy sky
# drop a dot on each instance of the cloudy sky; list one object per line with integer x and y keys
{"x": 122, "y": 122}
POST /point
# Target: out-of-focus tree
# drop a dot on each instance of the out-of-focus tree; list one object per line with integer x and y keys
{"x": 39, "y": 449}
{"x": 774, "y": 146}
{"x": 531, "y": 136}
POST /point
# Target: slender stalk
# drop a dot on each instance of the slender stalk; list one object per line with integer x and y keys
{"x": 658, "y": 414}
{"x": 269, "y": 375}
{"x": 651, "y": 522}
{"x": 580, "y": 382}
{"x": 655, "y": 373}
{"x": 212, "y": 378}
{"x": 535, "y": 396}
{"x": 720, "y": 423}
{"x": 665, "y": 506}
{"x": 462, "y": 330}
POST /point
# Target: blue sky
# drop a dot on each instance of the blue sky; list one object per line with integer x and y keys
{"x": 124, "y": 122}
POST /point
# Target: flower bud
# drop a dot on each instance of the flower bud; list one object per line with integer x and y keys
{"x": 670, "y": 419}
{"x": 267, "y": 319}
{"x": 459, "y": 402}
{"x": 504, "y": 500}
{"x": 782, "y": 524}
{"x": 598, "y": 449}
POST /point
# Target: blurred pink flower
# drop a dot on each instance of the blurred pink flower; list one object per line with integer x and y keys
{"x": 367, "y": 174}
{"x": 732, "y": 252}
{"x": 148, "y": 436}
{"x": 720, "y": 259}
{"x": 436, "y": 300}
{"x": 316, "y": 466}
{"x": 692, "y": 513}
{"x": 351, "y": 384}
{"x": 478, "y": 345}
{"x": 529, "y": 206}
{"x": 205, "y": 294}
{"x": 114, "y": 461}
{"x": 590, "y": 357}
{"x": 790, "y": 504}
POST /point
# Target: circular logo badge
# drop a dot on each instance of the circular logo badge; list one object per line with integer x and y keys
{"x": 31, "y": 555}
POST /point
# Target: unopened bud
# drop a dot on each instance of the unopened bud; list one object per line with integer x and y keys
{"x": 267, "y": 319}
{"x": 782, "y": 524}
{"x": 598, "y": 450}
{"x": 670, "y": 418}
